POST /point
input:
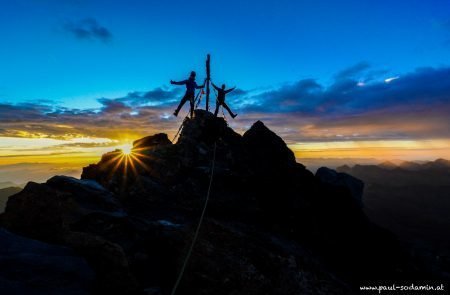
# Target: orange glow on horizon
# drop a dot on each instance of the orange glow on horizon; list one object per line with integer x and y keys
{"x": 33, "y": 150}
{"x": 382, "y": 150}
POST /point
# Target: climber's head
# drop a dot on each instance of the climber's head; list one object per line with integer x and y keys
{"x": 223, "y": 86}
{"x": 193, "y": 74}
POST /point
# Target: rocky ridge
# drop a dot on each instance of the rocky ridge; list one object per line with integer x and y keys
{"x": 272, "y": 227}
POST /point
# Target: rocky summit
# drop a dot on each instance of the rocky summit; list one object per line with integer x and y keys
{"x": 271, "y": 226}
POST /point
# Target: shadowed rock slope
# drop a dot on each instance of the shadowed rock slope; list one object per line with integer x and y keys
{"x": 271, "y": 227}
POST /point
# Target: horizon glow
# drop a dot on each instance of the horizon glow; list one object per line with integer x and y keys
{"x": 346, "y": 79}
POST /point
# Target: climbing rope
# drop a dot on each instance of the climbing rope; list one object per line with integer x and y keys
{"x": 179, "y": 129}
{"x": 201, "y": 94}
{"x": 198, "y": 97}
{"x": 197, "y": 230}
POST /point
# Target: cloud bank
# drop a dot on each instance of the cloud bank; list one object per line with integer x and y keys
{"x": 413, "y": 106}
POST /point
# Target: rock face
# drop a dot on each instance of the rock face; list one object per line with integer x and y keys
{"x": 344, "y": 180}
{"x": 36, "y": 268}
{"x": 159, "y": 139}
{"x": 48, "y": 210}
{"x": 51, "y": 212}
{"x": 272, "y": 227}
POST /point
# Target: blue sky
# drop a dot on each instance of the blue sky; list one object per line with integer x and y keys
{"x": 256, "y": 44}
{"x": 335, "y": 79}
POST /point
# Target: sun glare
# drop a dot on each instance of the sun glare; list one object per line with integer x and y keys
{"x": 126, "y": 149}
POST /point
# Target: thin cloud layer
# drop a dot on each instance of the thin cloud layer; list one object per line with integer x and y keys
{"x": 413, "y": 106}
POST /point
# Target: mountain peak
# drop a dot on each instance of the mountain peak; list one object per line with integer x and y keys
{"x": 159, "y": 139}
{"x": 136, "y": 213}
{"x": 266, "y": 144}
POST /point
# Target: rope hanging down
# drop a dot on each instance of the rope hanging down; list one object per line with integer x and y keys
{"x": 197, "y": 230}
{"x": 199, "y": 97}
{"x": 179, "y": 129}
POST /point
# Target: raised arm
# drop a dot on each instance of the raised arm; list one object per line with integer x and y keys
{"x": 200, "y": 86}
{"x": 214, "y": 85}
{"x": 229, "y": 90}
{"x": 178, "y": 83}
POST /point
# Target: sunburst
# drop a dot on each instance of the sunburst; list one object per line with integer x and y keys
{"x": 128, "y": 157}
{"x": 127, "y": 149}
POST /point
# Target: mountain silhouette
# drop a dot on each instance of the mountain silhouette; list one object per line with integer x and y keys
{"x": 412, "y": 200}
{"x": 271, "y": 226}
{"x": 7, "y": 184}
{"x": 5, "y": 193}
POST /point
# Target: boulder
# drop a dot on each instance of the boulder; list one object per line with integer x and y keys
{"x": 35, "y": 268}
{"x": 107, "y": 259}
{"x": 206, "y": 128}
{"x": 46, "y": 211}
{"x": 152, "y": 141}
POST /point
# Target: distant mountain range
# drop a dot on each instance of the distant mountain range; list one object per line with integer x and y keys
{"x": 6, "y": 184}
{"x": 412, "y": 199}
{"x": 403, "y": 173}
{"x": 5, "y": 193}
{"x": 7, "y": 189}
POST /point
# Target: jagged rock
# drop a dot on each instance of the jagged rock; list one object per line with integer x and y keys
{"x": 340, "y": 179}
{"x": 152, "y": 141}
{"x": 46, "y": 211}
{"x": 52, "y": 211}
{"x": 107, "y": 259}
{"x": 271, "y": 226}
{"x": 36, "y": 268}
{"x": 206, "y": 128}
{"x": 268, "y": 152}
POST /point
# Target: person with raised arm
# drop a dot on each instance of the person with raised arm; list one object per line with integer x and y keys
{"x": 191, "y": 85}
{"x": 221, "y": 92}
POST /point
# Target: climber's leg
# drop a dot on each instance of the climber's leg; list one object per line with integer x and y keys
{"x": 192, "y": 103}
{"x": 217, "y": 108}
{"x": 229, "y": 111}
{"x": 182, "y": 102}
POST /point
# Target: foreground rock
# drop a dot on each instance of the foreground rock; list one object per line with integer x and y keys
{"x": 272, "y": 227}
{"x": 51, "y": 212}
{"x": 34, "y": 268}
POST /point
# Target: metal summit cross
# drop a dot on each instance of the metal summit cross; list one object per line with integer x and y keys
{"x": 208, "y": 79}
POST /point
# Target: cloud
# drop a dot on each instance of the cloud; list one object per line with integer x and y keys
{"x": 88, "y": 29}
{"x": 414, "y": 106}
{"x": 113, "y": 106}
{"x": 352, "y": 71}
{"x": 158, "y": 97}
{"x": 136, "y": 114}
{"x": 423, "y": 86}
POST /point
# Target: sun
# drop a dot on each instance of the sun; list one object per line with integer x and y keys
{"x": 127, "y": 149}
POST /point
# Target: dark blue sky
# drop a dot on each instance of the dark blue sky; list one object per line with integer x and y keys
{"x": 76, "y": 51}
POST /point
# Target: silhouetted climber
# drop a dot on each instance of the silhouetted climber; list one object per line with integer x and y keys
{"x": 191, "y": 85}
{"x": 221, "y": 92}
